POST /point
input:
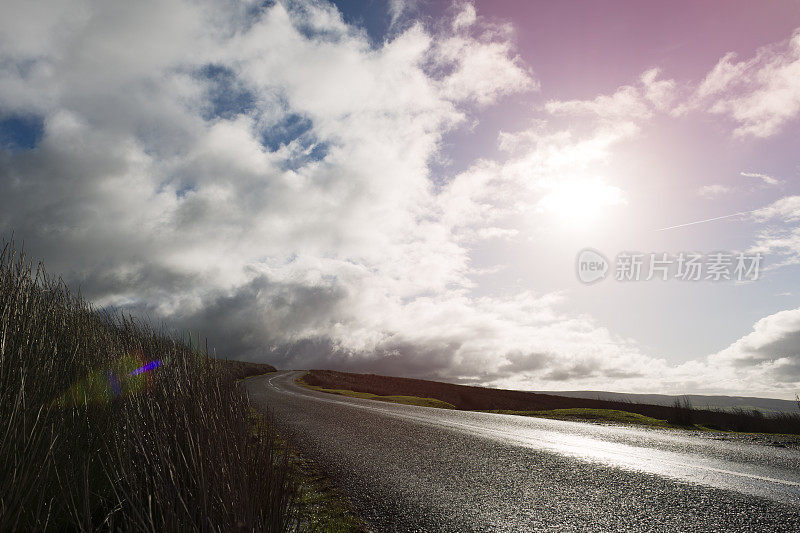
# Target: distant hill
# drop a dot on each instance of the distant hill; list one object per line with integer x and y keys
{"x": 767, "y": 405}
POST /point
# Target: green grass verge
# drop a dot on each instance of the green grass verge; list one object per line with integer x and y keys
{"x": 598, "y": 415}
{"x": 407, "y": 400}
{"x": 322, "y": 507}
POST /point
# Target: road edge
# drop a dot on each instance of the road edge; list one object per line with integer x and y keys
{"x": 322, "y": 506}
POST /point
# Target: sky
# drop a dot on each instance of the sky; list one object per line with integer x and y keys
{"x": 404, "y": 186}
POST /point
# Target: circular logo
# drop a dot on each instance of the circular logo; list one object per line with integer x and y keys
{"x": 591, "y": 266}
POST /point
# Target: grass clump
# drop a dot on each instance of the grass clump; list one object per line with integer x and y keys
{"x": 407, "y": 400}
{"x": 682, "y": 413}
{"x": 110, "y": 424}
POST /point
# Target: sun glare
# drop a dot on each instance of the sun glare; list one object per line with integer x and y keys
{"x": 579, "y": 202}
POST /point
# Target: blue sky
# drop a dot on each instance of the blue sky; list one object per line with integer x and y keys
{"x": 403, "y": 187}
{"x": 20, "y": 132}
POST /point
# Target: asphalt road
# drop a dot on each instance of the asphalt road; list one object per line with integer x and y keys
{"x": 410, "y": 468}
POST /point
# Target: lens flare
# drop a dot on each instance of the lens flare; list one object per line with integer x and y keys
{"x": 146, "y": 368}
{"x": 125, "y": 376}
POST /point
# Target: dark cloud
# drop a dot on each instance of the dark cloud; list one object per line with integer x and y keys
{"x": 573, "y": 372}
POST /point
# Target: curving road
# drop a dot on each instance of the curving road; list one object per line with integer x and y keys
{"x": 410, "y": 468}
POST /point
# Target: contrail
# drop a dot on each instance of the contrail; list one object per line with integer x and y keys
{"x": 706, "y": 220}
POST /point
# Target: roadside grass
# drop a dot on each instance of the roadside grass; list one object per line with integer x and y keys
{"x": 406, "y": 400}
{"x": 321, "y": 506}
{"x": 599, "y": 415}
{"x": 107, "y": 423}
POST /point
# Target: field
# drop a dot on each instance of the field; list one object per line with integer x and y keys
{"x": 680, "y": 414}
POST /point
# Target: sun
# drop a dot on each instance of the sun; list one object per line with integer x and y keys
{"x": 580, "y": 202}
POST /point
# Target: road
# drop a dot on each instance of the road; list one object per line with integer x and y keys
{"x": 409, "y": 468}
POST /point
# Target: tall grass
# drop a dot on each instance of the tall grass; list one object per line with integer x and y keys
{"x": 682, "y": 413}
{"x": 88, "y": 444}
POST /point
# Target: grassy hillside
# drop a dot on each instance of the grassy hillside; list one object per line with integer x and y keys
{"x": 109, "y": 424}
{"x": 487, "y": 399}
{"x": 407, "y": 400}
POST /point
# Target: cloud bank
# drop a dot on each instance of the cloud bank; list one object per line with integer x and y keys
{"x": 262, "y": 173}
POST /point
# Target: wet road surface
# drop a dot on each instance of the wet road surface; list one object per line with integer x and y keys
{"x": 409, "y": 468}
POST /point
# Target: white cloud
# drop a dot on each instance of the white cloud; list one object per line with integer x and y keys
{"x": 768, "y": 180}
{"x": 713, "y": 191}
{"x": 626, "y": 103}
{"x": 786, "y": 209}
{"x": 466, "y": 17}
{"x": 769, "y": 356}
{"x": 482, "y": 71}
{"x": 724, "y": 73}
{"x": 627, "y": 108}
{"x": 782, "y": 243}
{"x": 400, "y": 8}
{"x": 761, "y": 94}
{"x": 780, "y": 238}
{"x": 660, "y": 93}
